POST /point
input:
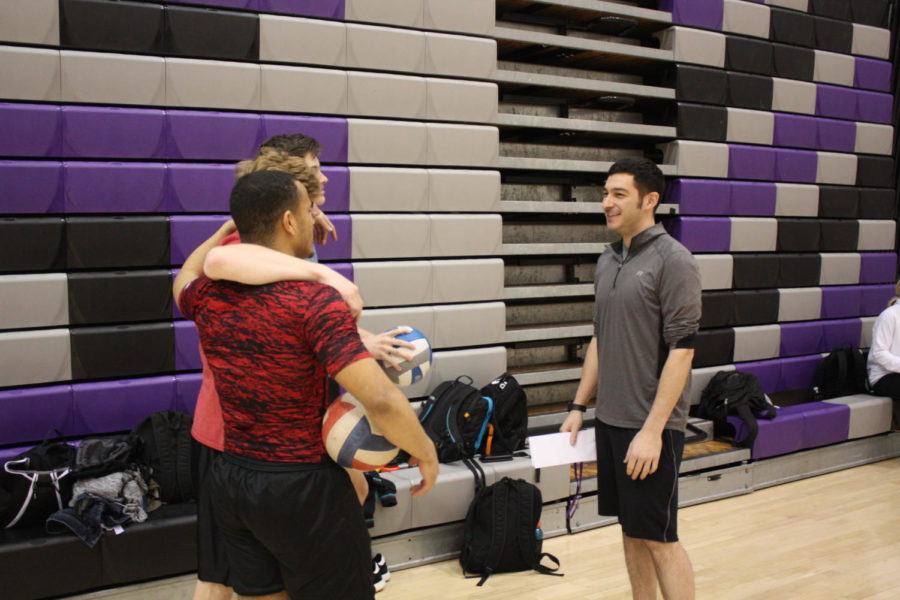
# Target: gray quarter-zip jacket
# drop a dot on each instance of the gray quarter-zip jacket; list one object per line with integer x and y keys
{"x": 645, "y": 304}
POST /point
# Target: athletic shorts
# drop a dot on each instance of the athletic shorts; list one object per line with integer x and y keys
{"x": 647, "y": 509}
{"x": 291, "y": 527}
{"x": 212, "y": 564}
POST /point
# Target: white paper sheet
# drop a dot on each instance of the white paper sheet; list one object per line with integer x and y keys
{"x": 554, "y": 449}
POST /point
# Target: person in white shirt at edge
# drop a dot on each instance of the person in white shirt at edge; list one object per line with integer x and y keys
{"x": 883, "y": 364}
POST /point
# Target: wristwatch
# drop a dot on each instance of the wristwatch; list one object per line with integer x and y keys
{"x": 579, "y": 407}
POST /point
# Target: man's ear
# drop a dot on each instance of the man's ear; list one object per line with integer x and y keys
{"x": 651, "y": 200}
{"x": 287, "y": 223}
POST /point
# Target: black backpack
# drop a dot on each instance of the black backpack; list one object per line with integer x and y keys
{"x": 166, "y": 450}
{"x": 736, "y": 393}
{"x": 509, "y": 420}
{"x": 455, "y": 416}
{"x": 35, "y": 484}
{"x": 841, "y": 373}
{"x": 502, "y": 531}
{"x": 99, "y": 456}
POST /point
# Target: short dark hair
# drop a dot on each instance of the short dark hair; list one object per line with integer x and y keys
{"x": 258, "y": 200}
{"x": 295, "y": 144}
{"x": 647, "y": 176}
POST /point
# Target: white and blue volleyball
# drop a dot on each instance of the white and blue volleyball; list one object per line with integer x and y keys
{"x": 414, "y": 369}
{"x": 351, "y": 440}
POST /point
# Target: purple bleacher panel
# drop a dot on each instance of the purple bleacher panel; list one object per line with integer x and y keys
{"x": 699, "y": 196}
{"x": 120, "y": 405}
{"x": 780, "y": 435}
{"x": 835, "y": 101}
{"x": 188, "y": 232}
{"x": 106, "y": 187}
{"x": 872, "y": 74}
{"x": 795, "y": 165}
{"x": 199, "y": 188}
{"x": 337, "y": 190}
{"x": 701, "y": 234}
{"x": 750, "y": 162}
{"x": 824, "y": 423}
{"x": 768, "y": 372}
{"x": 330, "y": 132}
{"x": 840, "y": 301}
{"x": 875, "y": 106}
{"x": 187, "y": 346}
{"x": 213, "y": 135}
{"x": 105, "y": 132}
{"x": 877, "y": 267}
{"x": 187, "y": 387}
{"x": 836, "y": 135}
{"x": 801, "y": 338}
{"x": 841, "y": 333}
{"x": 30, "y": 130}
{"x": 245, "y": 4}
{"x": 874, "y": 299}
{"x": 799, "y": 372}
{"x": 342, "y": 249}
{"x": 344, "y": 268}
{"x": 29, "y": 415}
{"x": 329, "y": 9}
{"x": 796, "y": 131}
{"x": 752, "y": 198}
{"x": 698, "y": 13}
{"x": 31, "y": 186}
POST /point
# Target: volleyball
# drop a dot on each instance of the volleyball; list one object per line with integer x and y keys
{"x": 414, "y": 369}
{"x": 351, "y": 440}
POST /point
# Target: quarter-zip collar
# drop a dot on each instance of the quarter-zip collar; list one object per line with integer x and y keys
{"x": 638, "y": 241}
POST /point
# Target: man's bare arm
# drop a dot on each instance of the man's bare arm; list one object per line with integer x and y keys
{"x": 587, "y": 389}
{"x": 193, "y": 264}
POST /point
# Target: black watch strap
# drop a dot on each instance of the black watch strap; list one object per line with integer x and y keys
{"x": 579, "y": 407}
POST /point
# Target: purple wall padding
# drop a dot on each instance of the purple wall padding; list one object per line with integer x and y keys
{"x": 799, "y": 372}
{"x": 337, "y": 190}
{"x": 750, "y": 162}
{"x": 877, "y": 267}
{"x": 31, "y": 414}
{"x": 781, "y": 435}
{"x": 30, "y": 130}
{"x": 341, "y": 249}
{"x": 768, "y": 372}
{"x": 213, "y": 135}
{"x": 701, "y": 234}
{"x": 187, "y": 346}
{"x": 31, "y": 186}
{"x": 102, "y": 187}
{"x": 872, "y": 74}
{"x": 874, "y": 299}
{"x": 120, "y": 405}
{"x": 835, "y": 101}
{"x": 753, "y": 198}
{"x": 874, "y": 106}
{"x": 825, "y": 423}
{"x": 330, "y": 132}
{"x": 840, "y": 301}
{"x": 795, "y": 165}
{"x": 105, "y": 132}
{"x": 329, "y": 9}
{"x": 839, "y": 136}
{"x": 199, "y": 187}
{"x": 841, "y": 333}
{"x": 187, "y": 386}
{"x": 797, "y": 131}
{"x": 698, "y": 13}
{"x": 188, "y": 232}
{"x": 801, "y": 338}
{"x": 699, "y": 196}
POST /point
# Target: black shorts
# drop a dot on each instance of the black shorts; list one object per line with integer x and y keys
{"x": 647, "y": 509}
{"x": 291, "y": 527}
{"x": 212, "y": 564}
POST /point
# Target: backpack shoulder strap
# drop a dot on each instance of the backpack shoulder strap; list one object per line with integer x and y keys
{"x": 746, "y": 414}
{"x": 499, "y": 515}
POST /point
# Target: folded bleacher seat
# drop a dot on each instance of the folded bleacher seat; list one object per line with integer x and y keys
{"x": 120, "y": 405}
{"x": 701, "y": 159}
{"x": 792, "y": 27}
{"x": 107, "y": 78}
{"x": 702, "y": 234}
{"x": 199, "y": 188}
{"x": 833, "y": 35}
{"x": 745, "y": 18}
{"x": 32, "y": 74}
{"x": 750, "y": 162}
{"x": 873, "y": 299}
{"x": 700, "y": 196}
{"x": 303, "y": 89}
{"x": 109, "y": 132}
{"x": 836, "y": 135}
{"x": 835, "y": 9}
{"x": 697, "y": 13}
{"x": 749, "y": 55}
{"x": 871, "y": 41}
{"x": 187, "y": 343}
{"x": 29, "y": 413}
{"x": 875, "y": 171}
{"x": 750, "y": 126}
{"x": 871, "y": 12}
{"x": 877, "y": 267}
{"x": 118, "y": 26}
{"x": 753, "y": 198}
{"x": 839, "y": 236}
{"x": 796, "y": 200}
{"x": 106, "y": 187}
{"x": 750, "y": 234}
{"x": 196, "y": 83}
{"x": 342, "y": 249}
{"x": 876, "y": 234}
{"x": 838, "y": 102}
{"x": 793, "y": 62}
{"x": 795, "y": 131}
{"x": 798, "y": 235}
{"x": 876, "y": 204}
{"x": 802, "y": 338}
{"x": 385, "y": 48}
{"x": 695, "y": 46}
{"x": 872, "y": 74}
{"x": 110, "y": 242}
{"x": 753, "y": 271}
{"x": 34, "y": 300}
{"x": 700, "y": 84}
{"x": 716, "y": 271}
{"x": 872, "y": 138}
{"x": 30, "y": 130}
{"x": 798, "y": 270}
{"x": 839, "y": 202}
{"x": 795, "y": 165}
{"x": 797, "y": 427}
{"x": 755, "y": 307}
{"x": 718, "y": 309}
{"x": 31, "y": 187}
{"x": 768, "y": 372}
{"x": 119, "y": 296}
{"x": 701, "y": 122}
{"x": 35, "y": 356}
{"x": 122, "y": 350}
{"x": 839, "y": 268}
{"x": 713, "y": 347}
{"x": 32, "y": 244}
{"x": 206, "y": 33}
{"x": 382, "y": 95}
{"x": 35, "y": 22}
{"x": 841, "y": 301}
{"x": 205, "y": 135}
{"x": 799, "y": 304}
{"x": 874, "y": 106}
{"x": 831, "y": 67}
{"x": 749, "y": 91}
{"x": 840, "y": 333}
{"x": 869, "y": 415}
{"x": 836, "y": 168}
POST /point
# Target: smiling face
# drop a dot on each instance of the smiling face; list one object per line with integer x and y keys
{"x": 302, "y": 232}
{"x": 627, "y": 212}
{"x": 312, "y": 161}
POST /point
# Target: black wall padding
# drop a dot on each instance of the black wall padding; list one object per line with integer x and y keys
{"x": 799, "y": 270}
{"x": 119, "y": 297}
{"x": 755, "y": 307}
{"x": 840, "y": 235}
{"x": 877, "y": 204}
{"x": 792, "y": 27}
{"x": 793, "y": 62}
{"x": 838, "y": 202}
{"x": 116, "y": 26}
{"x": 699, "y": 84}
{"x": 753, "y": 271}
{"x": 699, "y": 122}
{"x": 871, "y": 12}
{"x": 122, "y": 350}
{"x": 714, "y": 347}
{"x": 874, "y": 171}
{"x": 210, "y": 33}
{"x": 834, "y": 36}
{"x": 836, "y": 9}
{"x": 748, "y": 55}
{"x": 798, "y": 235}
{"x": 717, "y": 310}
{"x": 117, "y": 242}
{"x": 749, "y": 91}
{"x": 32, "y": 244}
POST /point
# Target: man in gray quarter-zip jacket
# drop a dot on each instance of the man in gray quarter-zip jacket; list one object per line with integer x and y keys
{"x": 637, "y": 366}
